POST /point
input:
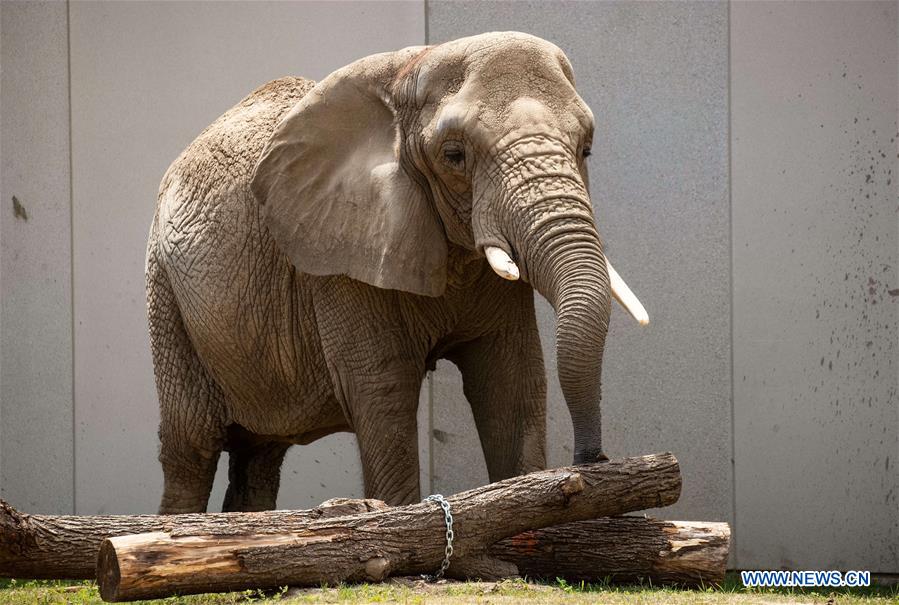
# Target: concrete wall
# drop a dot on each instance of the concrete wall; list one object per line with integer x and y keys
{"x": 731, "y": 181}
{"x": 35, "y": 259}
{"x": 816, "y": 255}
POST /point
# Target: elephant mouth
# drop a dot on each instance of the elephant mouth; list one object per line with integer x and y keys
{"x": 503, "y": 265}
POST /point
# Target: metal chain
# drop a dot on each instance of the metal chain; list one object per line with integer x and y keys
{"x": 448, "y": 519}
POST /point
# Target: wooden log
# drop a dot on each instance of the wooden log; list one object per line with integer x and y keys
{"x": 371, "y": 546}
{"x": 65, "y": 546}
{"x": 618, "y": 549}
{"x": 621, "y": 550}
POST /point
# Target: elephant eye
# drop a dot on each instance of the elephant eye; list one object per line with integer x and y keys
{"x": 454, "y": 155}
{"x": 586, "y": 152}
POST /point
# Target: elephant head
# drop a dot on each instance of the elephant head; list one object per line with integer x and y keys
{"x": 480, "y": 143}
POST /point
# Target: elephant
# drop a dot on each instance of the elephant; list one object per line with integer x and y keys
{"x": 320, "y": 246}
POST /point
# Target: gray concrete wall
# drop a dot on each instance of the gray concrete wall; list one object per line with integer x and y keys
{"x": 731, "y": 182}
{"x": 816, "y": 255}
{"x": 35, "y": 259}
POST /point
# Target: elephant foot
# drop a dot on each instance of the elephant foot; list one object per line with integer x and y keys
{"x": 590, "y": 457}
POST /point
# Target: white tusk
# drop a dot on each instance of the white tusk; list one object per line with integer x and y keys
{"x": 500, "y": 262}
{"x": 625, "y": 297}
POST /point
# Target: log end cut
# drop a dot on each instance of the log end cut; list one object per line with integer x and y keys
{"x": 695, "y": 553}
{"x": 109, "y": 576}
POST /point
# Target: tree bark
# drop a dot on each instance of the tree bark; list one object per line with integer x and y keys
{"x": 395, "y": 541}
{"x": 64, "y": 547}
{"x": 621, "y": 550}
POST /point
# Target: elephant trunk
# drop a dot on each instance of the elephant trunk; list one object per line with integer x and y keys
{"x": 567, "y": 266}
{"x": 547, "y": 228}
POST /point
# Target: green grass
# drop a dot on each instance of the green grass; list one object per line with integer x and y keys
{"x": 407, "y": 590}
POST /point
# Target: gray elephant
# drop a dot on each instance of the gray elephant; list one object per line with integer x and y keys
{"x": 320, "y": 246}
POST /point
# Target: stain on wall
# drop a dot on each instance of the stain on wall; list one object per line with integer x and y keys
{"x": 816, "y": 254}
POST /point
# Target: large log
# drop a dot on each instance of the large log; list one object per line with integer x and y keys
{"x": 371, "y": 546}
{"x": 64, "y": 547}
{"x": 622, "y": 550}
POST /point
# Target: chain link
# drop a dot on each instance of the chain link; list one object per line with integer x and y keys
{"x": 448, "y": 519}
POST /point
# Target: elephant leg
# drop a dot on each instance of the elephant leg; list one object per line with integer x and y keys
{"x": 377, "y": 363}
{"x": 191, "y": 430}
{"x": 505, "y": 383}
{"x": 188, "y": 476}
{"x": 384, "y": 419}
{"x": 254, "y": 475}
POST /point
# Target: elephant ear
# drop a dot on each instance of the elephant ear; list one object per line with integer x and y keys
{"x": 333, "y": 193}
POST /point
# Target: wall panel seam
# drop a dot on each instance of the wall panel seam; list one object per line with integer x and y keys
{"x": 71, "y": 249}
{"x": 427, "y": 21}
{"x": 730, "y": 220}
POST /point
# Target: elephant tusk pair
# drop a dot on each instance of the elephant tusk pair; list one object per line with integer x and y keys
{"x": 506, "y": 268}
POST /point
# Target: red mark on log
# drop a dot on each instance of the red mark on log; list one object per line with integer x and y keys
{"x": 525, "y": 542}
